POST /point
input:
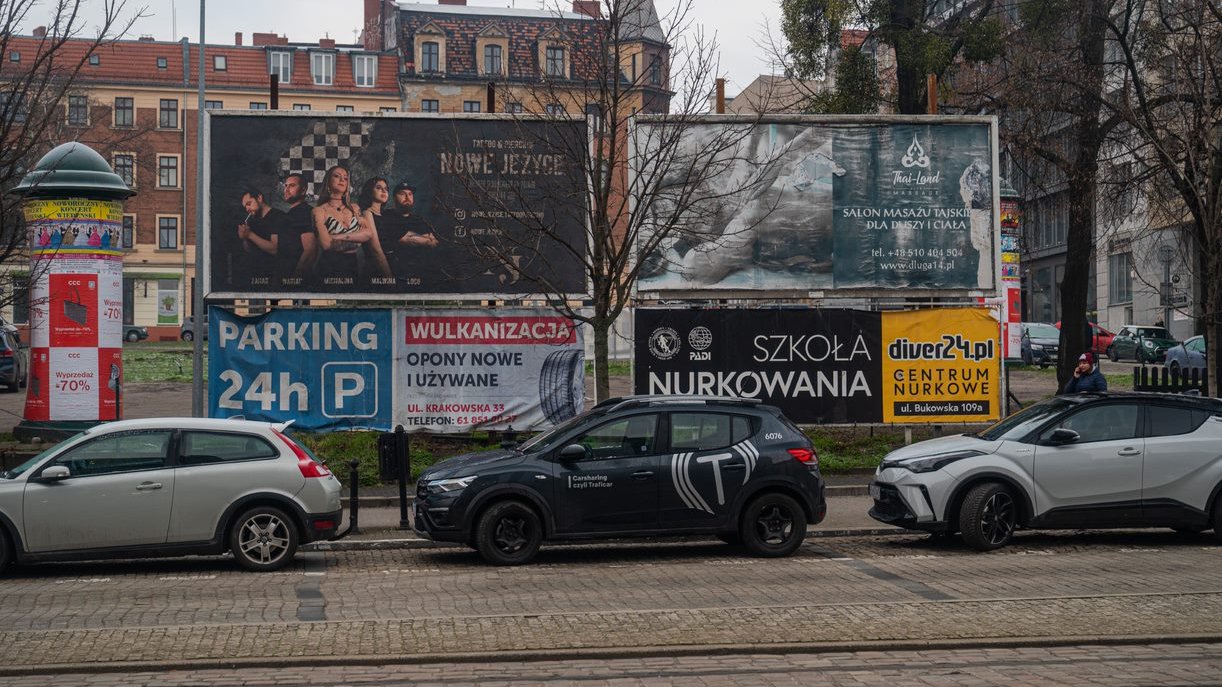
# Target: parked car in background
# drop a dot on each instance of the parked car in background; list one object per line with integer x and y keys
{"x": 14, "y": 365}
{"x": 1100, "y": 338}
{"x": 1039, "y": 343}
{"x": 1094, "y": 460}
{"x": 1189, "y": 355}
{"x": 133, "y": 333}
{"x": 169, "y": 486}
{"x": 187, "y": 332}
{"x": 1143, "y": 343}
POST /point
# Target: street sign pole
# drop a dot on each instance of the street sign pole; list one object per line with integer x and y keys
{"x": 197, "y": 294}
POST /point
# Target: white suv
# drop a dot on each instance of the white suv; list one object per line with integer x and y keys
{"x": 169, "y": 486}
{"x": 1079, "y": 461}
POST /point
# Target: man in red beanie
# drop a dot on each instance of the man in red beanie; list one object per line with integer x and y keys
{"x": 1086, "y": 376}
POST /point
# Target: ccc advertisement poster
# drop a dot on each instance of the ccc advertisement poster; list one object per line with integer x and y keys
{"x": 374, "y": 206}
{"x": 827, "y": 365}
{"x": 446, "y": 371}
{"x": 803, "y": 204}
{"x": 76, "y": 309}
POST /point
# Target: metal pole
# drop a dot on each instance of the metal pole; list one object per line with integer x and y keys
{"x": 403, "y": 453}
{"x": 197, "y": 294}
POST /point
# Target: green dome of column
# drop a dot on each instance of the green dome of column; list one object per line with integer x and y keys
{"x": 73, "y": 169}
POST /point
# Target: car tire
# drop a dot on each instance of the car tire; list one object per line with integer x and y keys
{"x": 263, "y": 539}
{"x": 508, "y": 533}
{"x": 988, "y": 516}
{"x": 187, "y": 336}
{"x": 133, "y": 337}
{"x": 6, "y": 551}
{"x": 773, "y": 526}
{"x": 1111, "y": 354}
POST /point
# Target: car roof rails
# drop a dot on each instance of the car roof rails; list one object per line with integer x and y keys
{"x": 625, "y": 402}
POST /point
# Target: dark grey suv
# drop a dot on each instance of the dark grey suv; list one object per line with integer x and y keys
{"x": 635, "y": 466}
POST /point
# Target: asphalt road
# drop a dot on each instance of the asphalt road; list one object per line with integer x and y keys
{"x": 444, "y": 616}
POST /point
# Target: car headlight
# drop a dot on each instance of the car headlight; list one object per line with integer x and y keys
{"x": 1037, "y": 347}
{"x": 443, "y": 486}
{"x": 1149, "y": 344}
{"x": 932, "y": 463}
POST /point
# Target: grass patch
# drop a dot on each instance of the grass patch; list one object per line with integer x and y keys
{"x": 843, "y": 450}
{"x": 617, "y": 368}
{"x": 337, "y": 449}
{"x": 159, "y": 362}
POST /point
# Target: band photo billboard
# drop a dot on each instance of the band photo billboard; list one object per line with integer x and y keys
{"x": 445, "y": 371}
{"x": 802, "y": 204}
{"x": 307, "y": 205}
{"x": 827, "y": 365}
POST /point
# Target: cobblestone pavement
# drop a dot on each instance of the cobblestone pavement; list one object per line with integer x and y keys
{"x": 346, "y": 606}
{"x": 1143, "y": 664}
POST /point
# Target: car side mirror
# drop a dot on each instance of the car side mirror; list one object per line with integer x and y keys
{"x": 55, "y": 473}
{"x": 573, "y": 452}
{"x": 1061, "y": 435}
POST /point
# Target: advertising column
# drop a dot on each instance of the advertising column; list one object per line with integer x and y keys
{"x": 76, "y": 309}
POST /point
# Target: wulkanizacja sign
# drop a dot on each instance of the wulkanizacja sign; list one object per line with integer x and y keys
{"x": 439, "y": 370}
{"x": 827, "y": 365}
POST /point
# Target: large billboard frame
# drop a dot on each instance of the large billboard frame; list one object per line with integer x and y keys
{"x": 644, "y": 294}
{"x": 205, "y": 239}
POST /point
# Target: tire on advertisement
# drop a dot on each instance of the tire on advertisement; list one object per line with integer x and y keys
{"x": 561, "y": 386}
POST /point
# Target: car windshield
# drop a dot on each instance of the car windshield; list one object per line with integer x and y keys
{"x": 1153, "y": 332}
{"x": 1043, "y": 331}
{"x": 544, "y": 440}
{"x": 1021, "y": 423}
{"x": 25, "y": 467}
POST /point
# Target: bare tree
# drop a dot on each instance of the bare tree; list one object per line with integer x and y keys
{"x": 619, "y": 170}
{"x": 36, "y": 76}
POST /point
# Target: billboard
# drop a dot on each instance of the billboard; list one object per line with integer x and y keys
{"x": 309, "y": 205}
{"x": 804, "y": 204}
{"x": 444, "y": 371}
{"x": 827, "y": 365}
{"x": 76, "y": 309}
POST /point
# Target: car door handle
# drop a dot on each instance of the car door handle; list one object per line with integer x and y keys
{"x": 642, "y": 474}
{"x": 148, "y": 486}
{"x": 734, "y": 466}
{"x": 1129, "y": 451}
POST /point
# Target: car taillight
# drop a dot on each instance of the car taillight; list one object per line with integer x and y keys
{"x": 6, "y": 353}
{"x": 308, "y": 466}
{"x": 804, "y": 455}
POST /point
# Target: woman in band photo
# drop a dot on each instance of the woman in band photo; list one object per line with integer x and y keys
{"x": 337, "y": 222}
{"x": 374, "y": 195}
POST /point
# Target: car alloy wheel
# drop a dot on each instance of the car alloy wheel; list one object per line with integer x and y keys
{"x": 773, "y": 525}
{"x": 263, "y": 539}
{"x": 188, "y": 336}
{"x": 988, "y": 517}
{"x": 133, "y": 337}
{"x": 508, "y": 533}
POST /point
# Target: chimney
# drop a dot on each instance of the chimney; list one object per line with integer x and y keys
{"x": 146, "y": 38}
{"x": 40, "y": 32}
{"x": 452, "y": 2}
{"x": 326, "y": 43}
{"x": 237, "y": 38}
{"x": 371, "y": 36}
{"x": 258, "y": 39}
{"x": 590, "y": 8}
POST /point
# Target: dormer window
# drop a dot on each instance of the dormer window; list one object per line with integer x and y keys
{"x": 430, "y": 49}
{"x": 492, "y": 60}
{"x": 430, "y": 57}
{"x": 280, "y": 63}
{"x": 365, "y": 70}
{"x": 555, "y": 61}
{"x": 491, "y": 46}
{"x": 322, "y": 67}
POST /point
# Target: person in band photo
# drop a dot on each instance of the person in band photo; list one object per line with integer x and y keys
{"x": 415, "y": 232}
{"x": 340, "y": 230}
{"x": 259, "y": 233}
{"x": 374, "y": 195}
{"x": 298, "y": 244}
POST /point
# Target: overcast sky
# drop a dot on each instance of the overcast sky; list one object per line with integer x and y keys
{"x": 739, "y": 25}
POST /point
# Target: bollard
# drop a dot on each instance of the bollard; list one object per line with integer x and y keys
{"x": 354, "y": 503}
{"x": 403, "y": 455}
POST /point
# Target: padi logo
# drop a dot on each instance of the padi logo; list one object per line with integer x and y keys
{"x": 700, "y": 338}
{"x": 950, "y": 347}
{"x": 664, "y": 343}
{"x": 914, "y": 160}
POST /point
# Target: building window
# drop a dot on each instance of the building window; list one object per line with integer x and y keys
{"x": 388, "y": 109}
{"x": 162, "y": 63}
{"x": 167, "y": 114}
{"x": 15, "y": 103}
{"x": 343, "y": 108}
{"x": 125, "y": 112}
{"x": 95, "y": 60}
{"x": 128, "y": 240}
{"x": 167, "y": 171}
{"x": 655, "y": 72}
{"x": 214, "y": 105}
{"x": 280, "y": 63}
{"x": 430, "y": 106}
{"x": 554, "y": 109}
{"x": 492, "y": 60}
{"x": 78, "y": 110}
{"x": 430, "y": 57}
{"x": 300, "y": 106}
{"x": 365, "y": 70}
{"x": 470, "y": 106}
{"x": 258, "y": 106}
{"x": 1120, "y": 278}
{"x": 125, "y": 167}
{"x": 14, "y": 56}
{"x": 167, "y": 233}
{"x": 322, "y": 66}
{"x": 555, "y": 62}
{"x": 514, "y": 108}
{"x": 220, "y": 63}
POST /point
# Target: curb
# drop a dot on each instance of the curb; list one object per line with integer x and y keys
{"x": 611, "y": 653}
{"x": 393, "y": 501}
